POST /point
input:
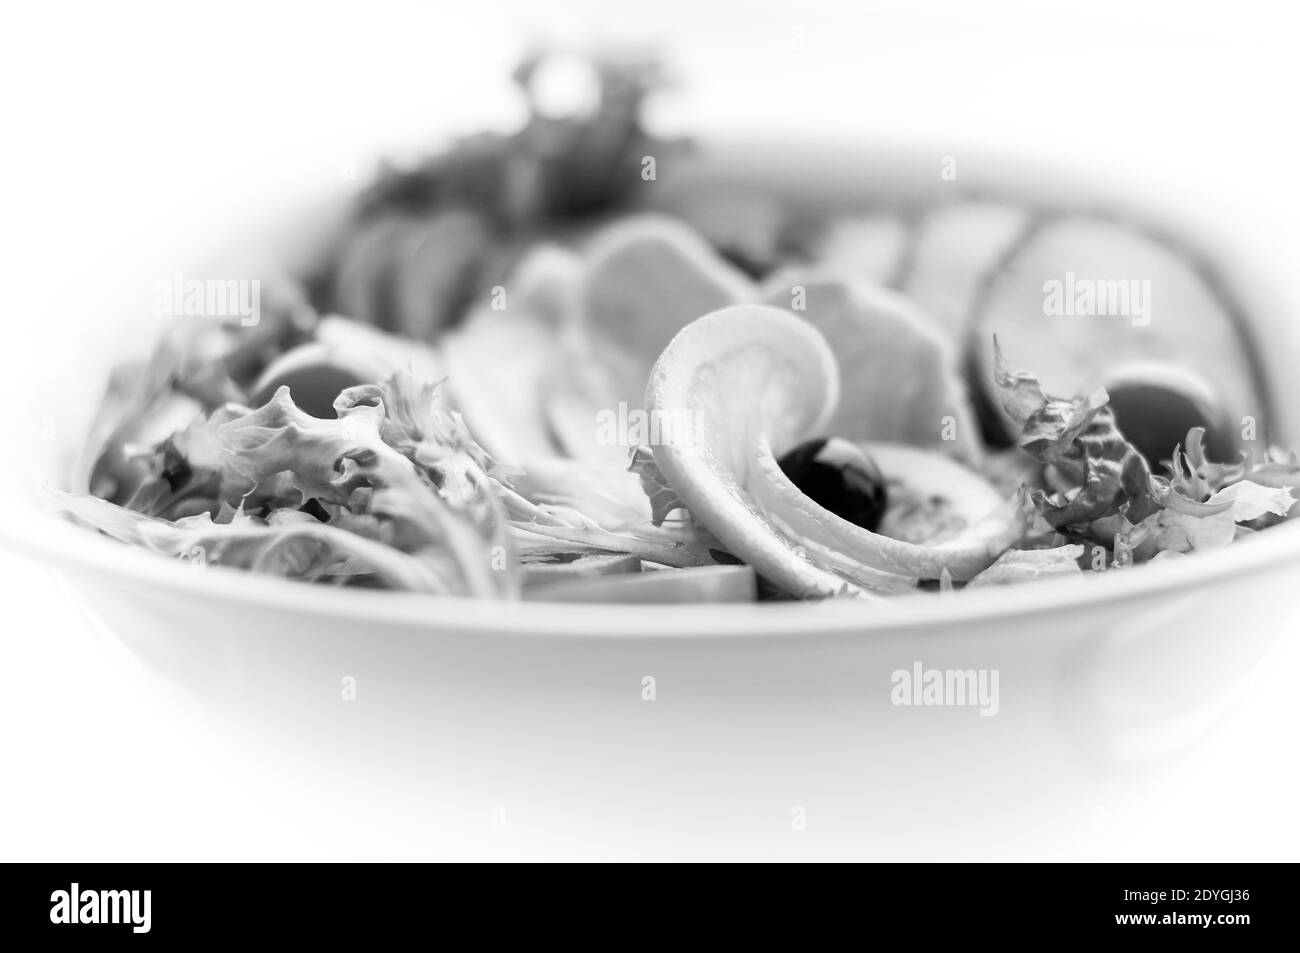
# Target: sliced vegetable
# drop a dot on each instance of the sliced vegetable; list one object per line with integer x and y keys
{"x": 647, "y": 278}
{"x": 954, "y": 248}
{"x": 365, "y": 276}
{"x": 1080, "y": 297}
{"x": 437, "y": 268}
{"x": 745, "y": 373}
{"x": 760, "y": 381}
{"x": 871, "y": 248}
{"x": 552, "y": 569}
{"x": 746, "y": 226}
{"x": 960, "y": 558}
{"x": 547, "y": 283}
{"x": 899, "y": 373}
{"x": 678, "y": 587}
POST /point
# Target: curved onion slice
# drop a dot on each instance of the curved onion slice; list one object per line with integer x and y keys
{"x": 747, "y": 383}
{"x": 733, "y": 377}
{"x": 973, "y": 550}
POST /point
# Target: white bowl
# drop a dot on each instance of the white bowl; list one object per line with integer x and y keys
{"x": 1095, "y": 673}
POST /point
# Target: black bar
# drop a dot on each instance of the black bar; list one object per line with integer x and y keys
{"x": 215, "y": 902}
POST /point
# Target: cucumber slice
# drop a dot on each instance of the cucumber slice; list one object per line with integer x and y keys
{"x": 363, "y": 281}
{"x": 745, "y": 226}
{"x": 660, "y": 587}
{"x": 1173, "y": 314}
{"x": 955, "y": 246}
{"x": 410, "y": 275}
{"x": 561, "y": 568}
{"x": 438, "y": 259}
{"x": 647, "y": 278}
{"x": 866, "y": 247}
{"x": 900, "y": 374}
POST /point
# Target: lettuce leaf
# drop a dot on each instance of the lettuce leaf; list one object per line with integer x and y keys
{"x": 1095, "y": 471}
{"x": 663, "y": 498}
{"x": 1252, "y": 501}
{"x": 399, "y": 469}
{"x": 288, "y": 544}
{"x": 1267, "y": 483}
{"x": 1021, "y": 565}
{"x": 1100, "y": 488}
{"x": 594, "y": 506}
{"x": 394, "y": 467}
{"x": 1170, "y": 531}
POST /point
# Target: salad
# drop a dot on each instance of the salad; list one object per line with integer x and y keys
{"x": 525, "y": 368}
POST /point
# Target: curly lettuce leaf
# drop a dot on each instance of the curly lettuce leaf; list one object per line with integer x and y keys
{"x": 663, "y": 498}
{"x": 1100, "y": 488}
{"x": 577, "y": 504}
{"x": 1196, "y": 477}
{"x": 394, "y": 466}
{"x": 201, "y": 364}
{"x": 1096, "y": 472}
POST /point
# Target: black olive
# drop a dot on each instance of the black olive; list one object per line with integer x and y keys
{"x": 1155, "y": 414}
{"x": 314, "y": 508}
{"x": 838, "y": 477}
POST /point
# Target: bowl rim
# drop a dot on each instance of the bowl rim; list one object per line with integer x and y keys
{"x": 51, "y": 539}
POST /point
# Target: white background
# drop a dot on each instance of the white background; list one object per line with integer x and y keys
{"x": 139, "y": 134}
